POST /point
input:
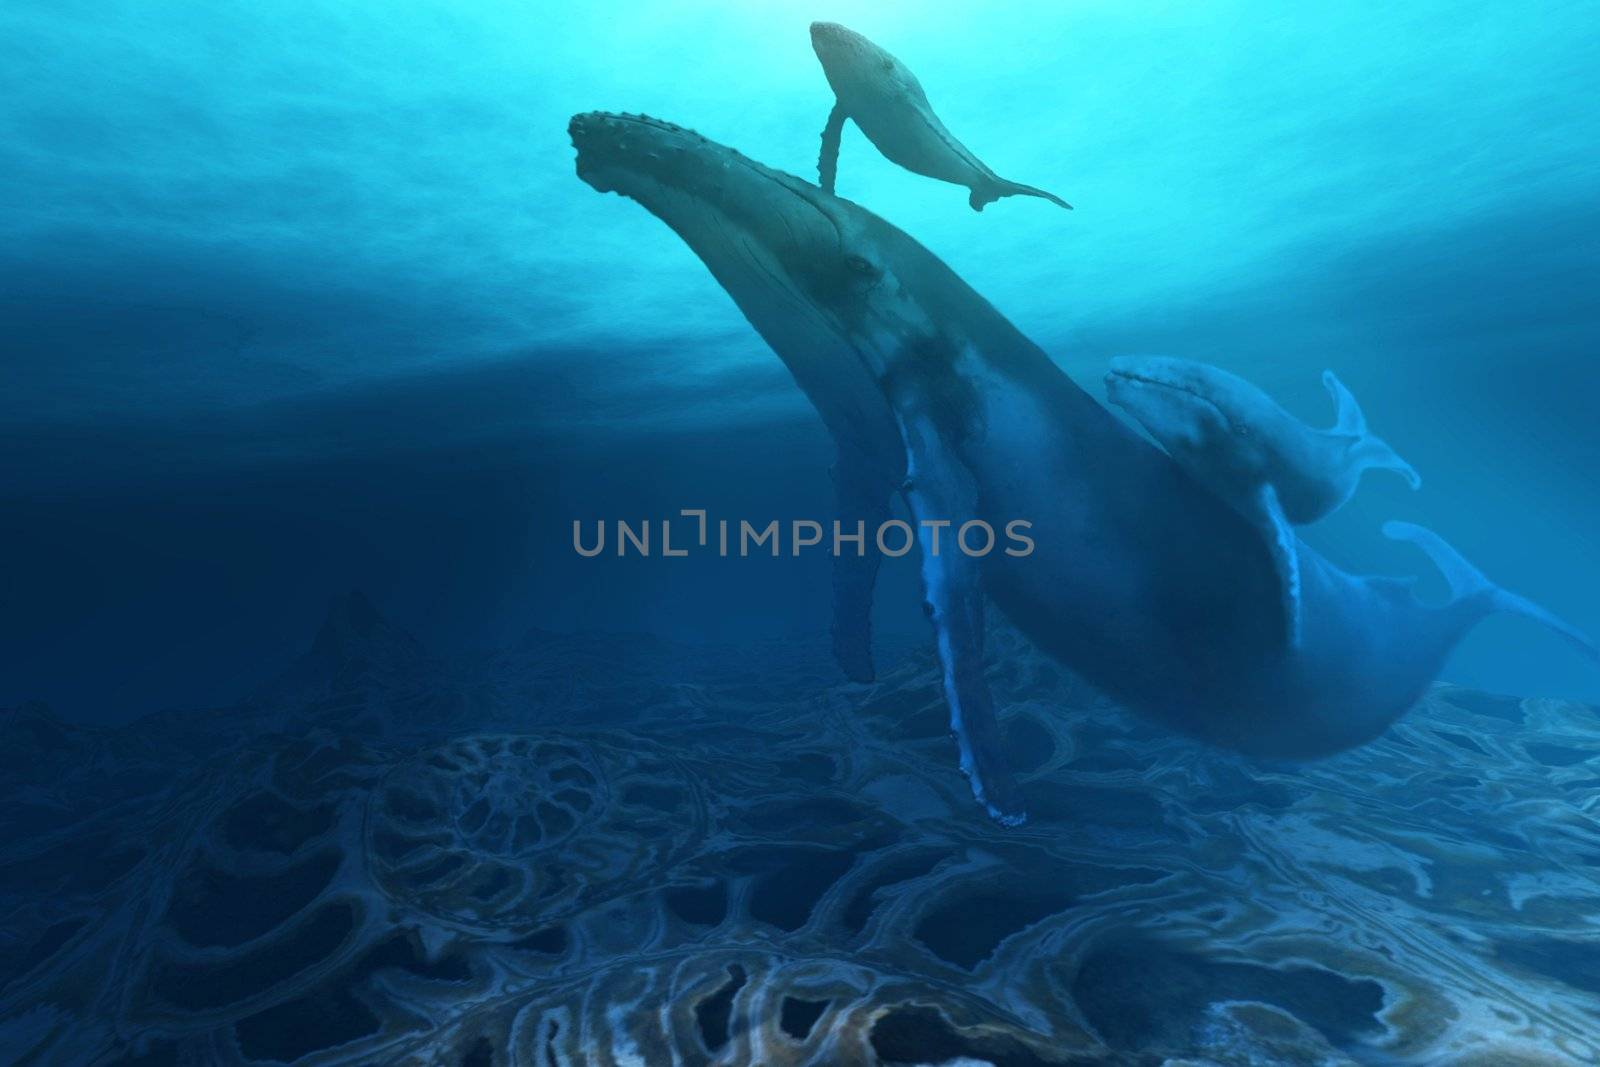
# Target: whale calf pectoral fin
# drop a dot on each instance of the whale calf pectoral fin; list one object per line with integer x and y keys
{"x": 940, "y": 491}
{"x": 861, "y": 499}
{"x": 1469, "y": 586}
{"x": 828, "y": 160}
{"x": 1284, "y": 547}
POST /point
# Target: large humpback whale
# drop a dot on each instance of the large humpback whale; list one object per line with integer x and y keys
{"x": 1146, "y": 583}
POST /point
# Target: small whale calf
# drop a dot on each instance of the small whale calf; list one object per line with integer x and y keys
{"x": 1234, "y": 437}
{"x": 887, "y": 102}
{"x": 1238, "y": 442}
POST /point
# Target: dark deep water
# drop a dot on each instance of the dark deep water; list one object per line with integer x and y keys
{"x": 305, "y": 298}
{"x": 308, "y": 297}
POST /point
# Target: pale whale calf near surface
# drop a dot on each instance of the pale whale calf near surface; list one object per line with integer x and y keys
{"x": 1144, "y": 581}
{"x": 887, "y": 102}
{"x": 1238, "y": 442}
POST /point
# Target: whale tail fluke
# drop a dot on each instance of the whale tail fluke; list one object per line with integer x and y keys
{"x": 1349, "y": 419}
{"x": 1367, "y": 452}
{"x": 990, "y": 192}
{"x": 1374, "y": 453}
{"x": 1468, "y": 585}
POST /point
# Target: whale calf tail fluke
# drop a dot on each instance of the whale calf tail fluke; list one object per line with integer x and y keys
{"x": 990, "y": 192}
{"x": 1374, "y": 453}
{"x": 1368, "y": 452}
{"x": 1469, "y": 586}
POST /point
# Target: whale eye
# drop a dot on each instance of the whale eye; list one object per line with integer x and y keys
{"x": 888, "y": 65}
{"x": 860, "y": 265}
{"x": 1241, "y": 429}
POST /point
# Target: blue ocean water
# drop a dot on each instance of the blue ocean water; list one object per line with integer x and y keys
{"x": 303, "y": 296}
{"x": 320, "y": 743}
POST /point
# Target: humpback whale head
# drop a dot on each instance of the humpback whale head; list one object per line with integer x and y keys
{"x": 1198, "y": 410}
{"x": 745, "y": 220}
{"x": 837, "y": 292}
{"x": 851, "y": 62}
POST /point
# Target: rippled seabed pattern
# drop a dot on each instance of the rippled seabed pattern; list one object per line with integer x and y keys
{"x": 607, "y": 850}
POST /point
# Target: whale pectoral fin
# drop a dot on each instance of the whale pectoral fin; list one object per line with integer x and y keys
{"x": 861, "y": 497}
{"x": 1283, "y": 545}
{"x": 828, "y": 161}
{"x": 940, "y": 491}
{"x": 955, "y": 607}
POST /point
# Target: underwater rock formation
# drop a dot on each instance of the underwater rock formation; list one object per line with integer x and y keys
{"x": 754, "y": 865}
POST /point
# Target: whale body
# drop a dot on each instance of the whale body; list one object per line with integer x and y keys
{"x": 887, "y": 102}
{"x": 1146, "y": 583}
